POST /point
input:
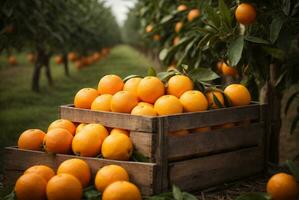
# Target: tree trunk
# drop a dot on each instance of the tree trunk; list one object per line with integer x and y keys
{"x": 48, "y": 70}
{"x": 37, "y": 68}
{"x": 66, "y": 65}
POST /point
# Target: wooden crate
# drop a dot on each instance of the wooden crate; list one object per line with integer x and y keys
{"x": 192, "y": 162}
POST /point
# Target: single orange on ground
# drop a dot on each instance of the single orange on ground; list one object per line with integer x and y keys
{"x": 168, "y": 105}
{"x": 176, "y": 40}
{"x": 178, "y": 26}
{"x": 31, "y": 139}
{"x": 78, "y": 168}
{"x": 150, "y": 89}
{"x": 245, "y": 14}
{"x": 58, "y": 60}
{"x": 117, "y": 147}
{"x": 238, "y": 94}
{"x": 193, "y": 14}
{"x": 12, "y": 60}
{"x": 181, "y": 8}
{"x": 110, "y": 84}
{"x": 64, "y": 186}
{"x": 118, "y": 130}
{"x": 194, "y": 101}
{"x": 144, "y": 110}
{"x": 283, "y": 186}
{"x": 58, "y": 140}
{"x": 121, "y": 190}
{"x": 80, "y": 127}
{"x": 42, "y": 170}
{"x": 63, "y": 123}
{"x": 179, "y": 133}
{"x": 179, "y": 84}
{"x": 201, "y": 129}
{"x": 72, "y": 56}
{"x": 213, "y": 96}
{"x": 131, "y": 85}
{"x": 102, "y": 103}
{"x": 110, "y": 174}
{"x": 228, "y": 71}
{"x": 31, "y": 186}
{"x": 123, "y": 101}
{"x": 85, "y": 97}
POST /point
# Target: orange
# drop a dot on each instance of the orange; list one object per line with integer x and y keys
{"x": 194, "y": 13}
{"x": 145, "y": 104}
{"x": 80, "y": 127}
{"x": 42, "y": 170}
{"x": 194, "y": 101}
{"x": 176, "y": 40}
{"x": 131, "y": 85}
{"x": 79, "y": 64}
{"x": 118, "y": 130}
{"x": 219, "y": 66}
{"x": 12, "y": 60}
{"x": 117, "y": 147}
{"x": 210, "y": 97}
{"x": 110, "y": 84}
{"x": 63, "y": 123}
{"x": 123, "y": 101}
{"x": 167, "y": 105}
{"x": 224, "y": 126}
{"x": 181, "y": 8}
{"x": 245, "y": 14}
{"x": 150, "y": 89}
{"x": 64, "y": 186}
{"x": 96, "y": 56}
{"x": 89, "y": 140}
{"x": 179, "y": 133}
{"x": 31, "y": 187}
{"x": 31, "y": 57}
{"x": 121, "y": 190}
{"x": 228, "y": 71}
{"x": 157, "y": 37}
{"x": 178, "y": 26}
{"x": 144, "y": 110}
{"x": 58, "y": 60}
{"x": 238, "y": 94}
{"x": 31, "y": 139}
{"x": 110, "y": 174}
{"x": 149, "y": 28}
{"x": 85, "y": 97}
{"x": 179, "y": 84}
{"x": 76, "y": 167}
{"x": 102, "y": 103}
{"x": 72, "y": 56}
{"x": 201, "y": 129}
{"x": 282, "y": 186}
{"x": 58, "y": 140}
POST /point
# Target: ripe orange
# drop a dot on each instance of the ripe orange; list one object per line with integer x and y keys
{"x": 157, "y": 37}
{"x": 110, "y": 84}
{"x": 31, "y": 57}
{"x": 31, "y": 186}
{"x": 58, "y": 140}
{"x": 85, "y": 97}
{"x": 149, "y": 28}
{"x": 150, "y": 89}
{"x": 238, "y": 94}
{"x": 179, "y": 84}
{"x": 210, "y": 97}
{"x": 176, "y": 40}
{"x": 58, "y": 60}
{"x": 64, "y": 186}
{"x": 118, "y": 130}
{"x": 283, "y": 186}
{"x": 80, "y": 127}
{"x": 31, "y": 139}
{"x": 102, "y": 103}
{"x": 144, "y": 110}
{"x": 72, "y": 56}
{"x": 12, "y": 60}
{"x": 179, "y": 133}
{"x": 96, "y": 56}
{"x": 145, "y": 104}
{"x": 110, "y": 174}
{"x": 181, "y": 8}
{"x": 42, "y": 170}
{"x": 76, "y": 167}
{"x": 167, "y": 105}
{"x": 123, "y": 101}
{"x": 121, "y": 190}
{"x": 178, "y": 26}
{"x": 245, "y": 14}
{"x": 201, "y": 129}
{"x": 194, "y": 13}
{"x": 228, "y": 71}
{"x": 131, "y": 85}
{"x": 219, "y": 66}
{"x": 63, "y": 123}
{"x": 117, "y": 147}
{"x": 97, "y": 128}
{"x": 194, "y": 101}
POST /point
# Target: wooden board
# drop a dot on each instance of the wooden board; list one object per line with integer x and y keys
{"x": 17, "y": 161}
{"x": 216, "y": 169}
{"x": 198, "y": 144}
{"x": 144, "y": 143}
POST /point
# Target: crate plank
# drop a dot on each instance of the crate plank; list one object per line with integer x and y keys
{"x": 17, "y": 161}
{"x": 109, "y": 119}
{"x": 211, "y": 170}
{"x": 144, "y": 143}
{"x": 196, "y": 144}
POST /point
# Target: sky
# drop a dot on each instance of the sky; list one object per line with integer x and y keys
{"x": 120, "y": 8}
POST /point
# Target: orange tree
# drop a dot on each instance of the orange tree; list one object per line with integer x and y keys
{"x": 255, "y": 41}
{"x": 50, "y": 27}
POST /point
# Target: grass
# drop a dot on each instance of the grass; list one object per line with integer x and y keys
{"x": 22, "y": 109}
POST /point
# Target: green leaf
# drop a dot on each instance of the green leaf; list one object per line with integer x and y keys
{"x": 293, "y": 168}
{"x": 254, "y": 196}
{"x": 151, "y": 71}
{"x": 235, "y": 50}
{"x": 166, "y": 19}
{"x": 286, "y": 7}
{"x": 163, "y": 54}
{"x": 275, "y": 29}
{"x": 131, "y": 76}
{"x": 290, "y": 100}
{"x": 212, "y": 17}
{"x": 164, "y": 76}
{"x": 139, "y": 157}
{"x": 177, "y": 193}
{"x": 203, "y": 74}
{"x": 188, "y": 196}
{"x": 294, "y": 123}
{"x": 217, "y": 102}
{"x": 256, "y": 40}
{"x": 225, "y": 12}
{"x": 11, "y": 196}
{"x": 91, "y": 193}
{"x": 274, "y": 52}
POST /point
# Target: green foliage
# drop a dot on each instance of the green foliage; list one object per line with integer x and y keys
{"x": 293, "y": 98}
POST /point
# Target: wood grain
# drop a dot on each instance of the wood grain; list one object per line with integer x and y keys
{"x": 144, "y": 143}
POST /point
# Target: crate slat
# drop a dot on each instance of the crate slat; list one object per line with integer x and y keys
{"x": 144, "y": 143}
